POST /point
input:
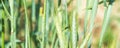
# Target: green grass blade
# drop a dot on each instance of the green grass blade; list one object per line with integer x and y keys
{"x": 33, "y": 10}
{"x": 5, "y": 8}
{"x": 105, "y": 22}
{"x": 64, "y": 17}
{"x": 88, "y": 13}
{"x": 65, "y": 14}
{"x": 53, "y": 40}
{"x": 47, "y": 15}
{"x": 56, "y": 43}
{"x": 93, "y": 15}
{"x": 74, "y": 32}
{"x": 85, "y": 40}
{"x": 58, "y": 24}
{"x": 94, "y": 12}
{"x": 13, "y": 29}
{"x": 27, "y": 32}
{"x": 33, "y": 20}
{"x": 43, "y": 30}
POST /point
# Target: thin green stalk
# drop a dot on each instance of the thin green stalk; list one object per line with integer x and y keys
{"x": 5, "y": 9}
{"x": 52, "y": 8}
{"x": 2, "y": 40}
{"x": 59, "y": 32}
{"x": 1, "y": 11}
{"x": 58, "y": 24}
{"x": 94, "y": 12}
{"x": 65, "y": 14}
{"x": 56, "y": 43}
{"x": 2, "y": 33}
{"x": 105, "y": 21}
{"x": 43, "y": 30}
{"x": 85, "y": 40}
{"x": 53, "y": 40}
{"x": 88, "y": 13}
{"x": 74, "y": 32}
{"x": 54, "y": 33}
{"x": 40, "y": 19}
{"x": 53, "y": 25}
{"x": 33, "y": 10}
{"x": 33, "y": 19}
{"x": 78, "y": 10}
{"x": 27, "y": 32}
{"x": 41, "y": 24}
{"x": 13, "y": 29}
{"x": 45, "y": 27}
{"x": 47, "y": 13}
{"x": 64, "y": 17}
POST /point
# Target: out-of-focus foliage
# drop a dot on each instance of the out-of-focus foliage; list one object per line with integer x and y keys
{"x": 59, "y": 23}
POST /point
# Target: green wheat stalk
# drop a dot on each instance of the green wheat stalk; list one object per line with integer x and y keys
{"x": 65, "y": 19}
{"x": 33, "y": 18}
{"x": 47, "y": 15}
{"x": 105, "y": 21}
{"x": 27, "y": 32}
{"x": 93, "y": 15}
{"x": 58, "y": 24}
{"x": 43, "y": 25}
{"x": 33, "y": 10}
{"x": 6, "y": 11}
{"x": 65, "y": 14}
{"x": 89, "y": 5}
{"x": 85, "y": 40}
{"x": 74, "y": 32}
{"x": 13, "y": 29}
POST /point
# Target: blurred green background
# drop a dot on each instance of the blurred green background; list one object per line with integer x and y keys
{"x": 59, "y": 23}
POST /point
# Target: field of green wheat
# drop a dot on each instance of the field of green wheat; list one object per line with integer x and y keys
{"x": 59, "y": 23}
